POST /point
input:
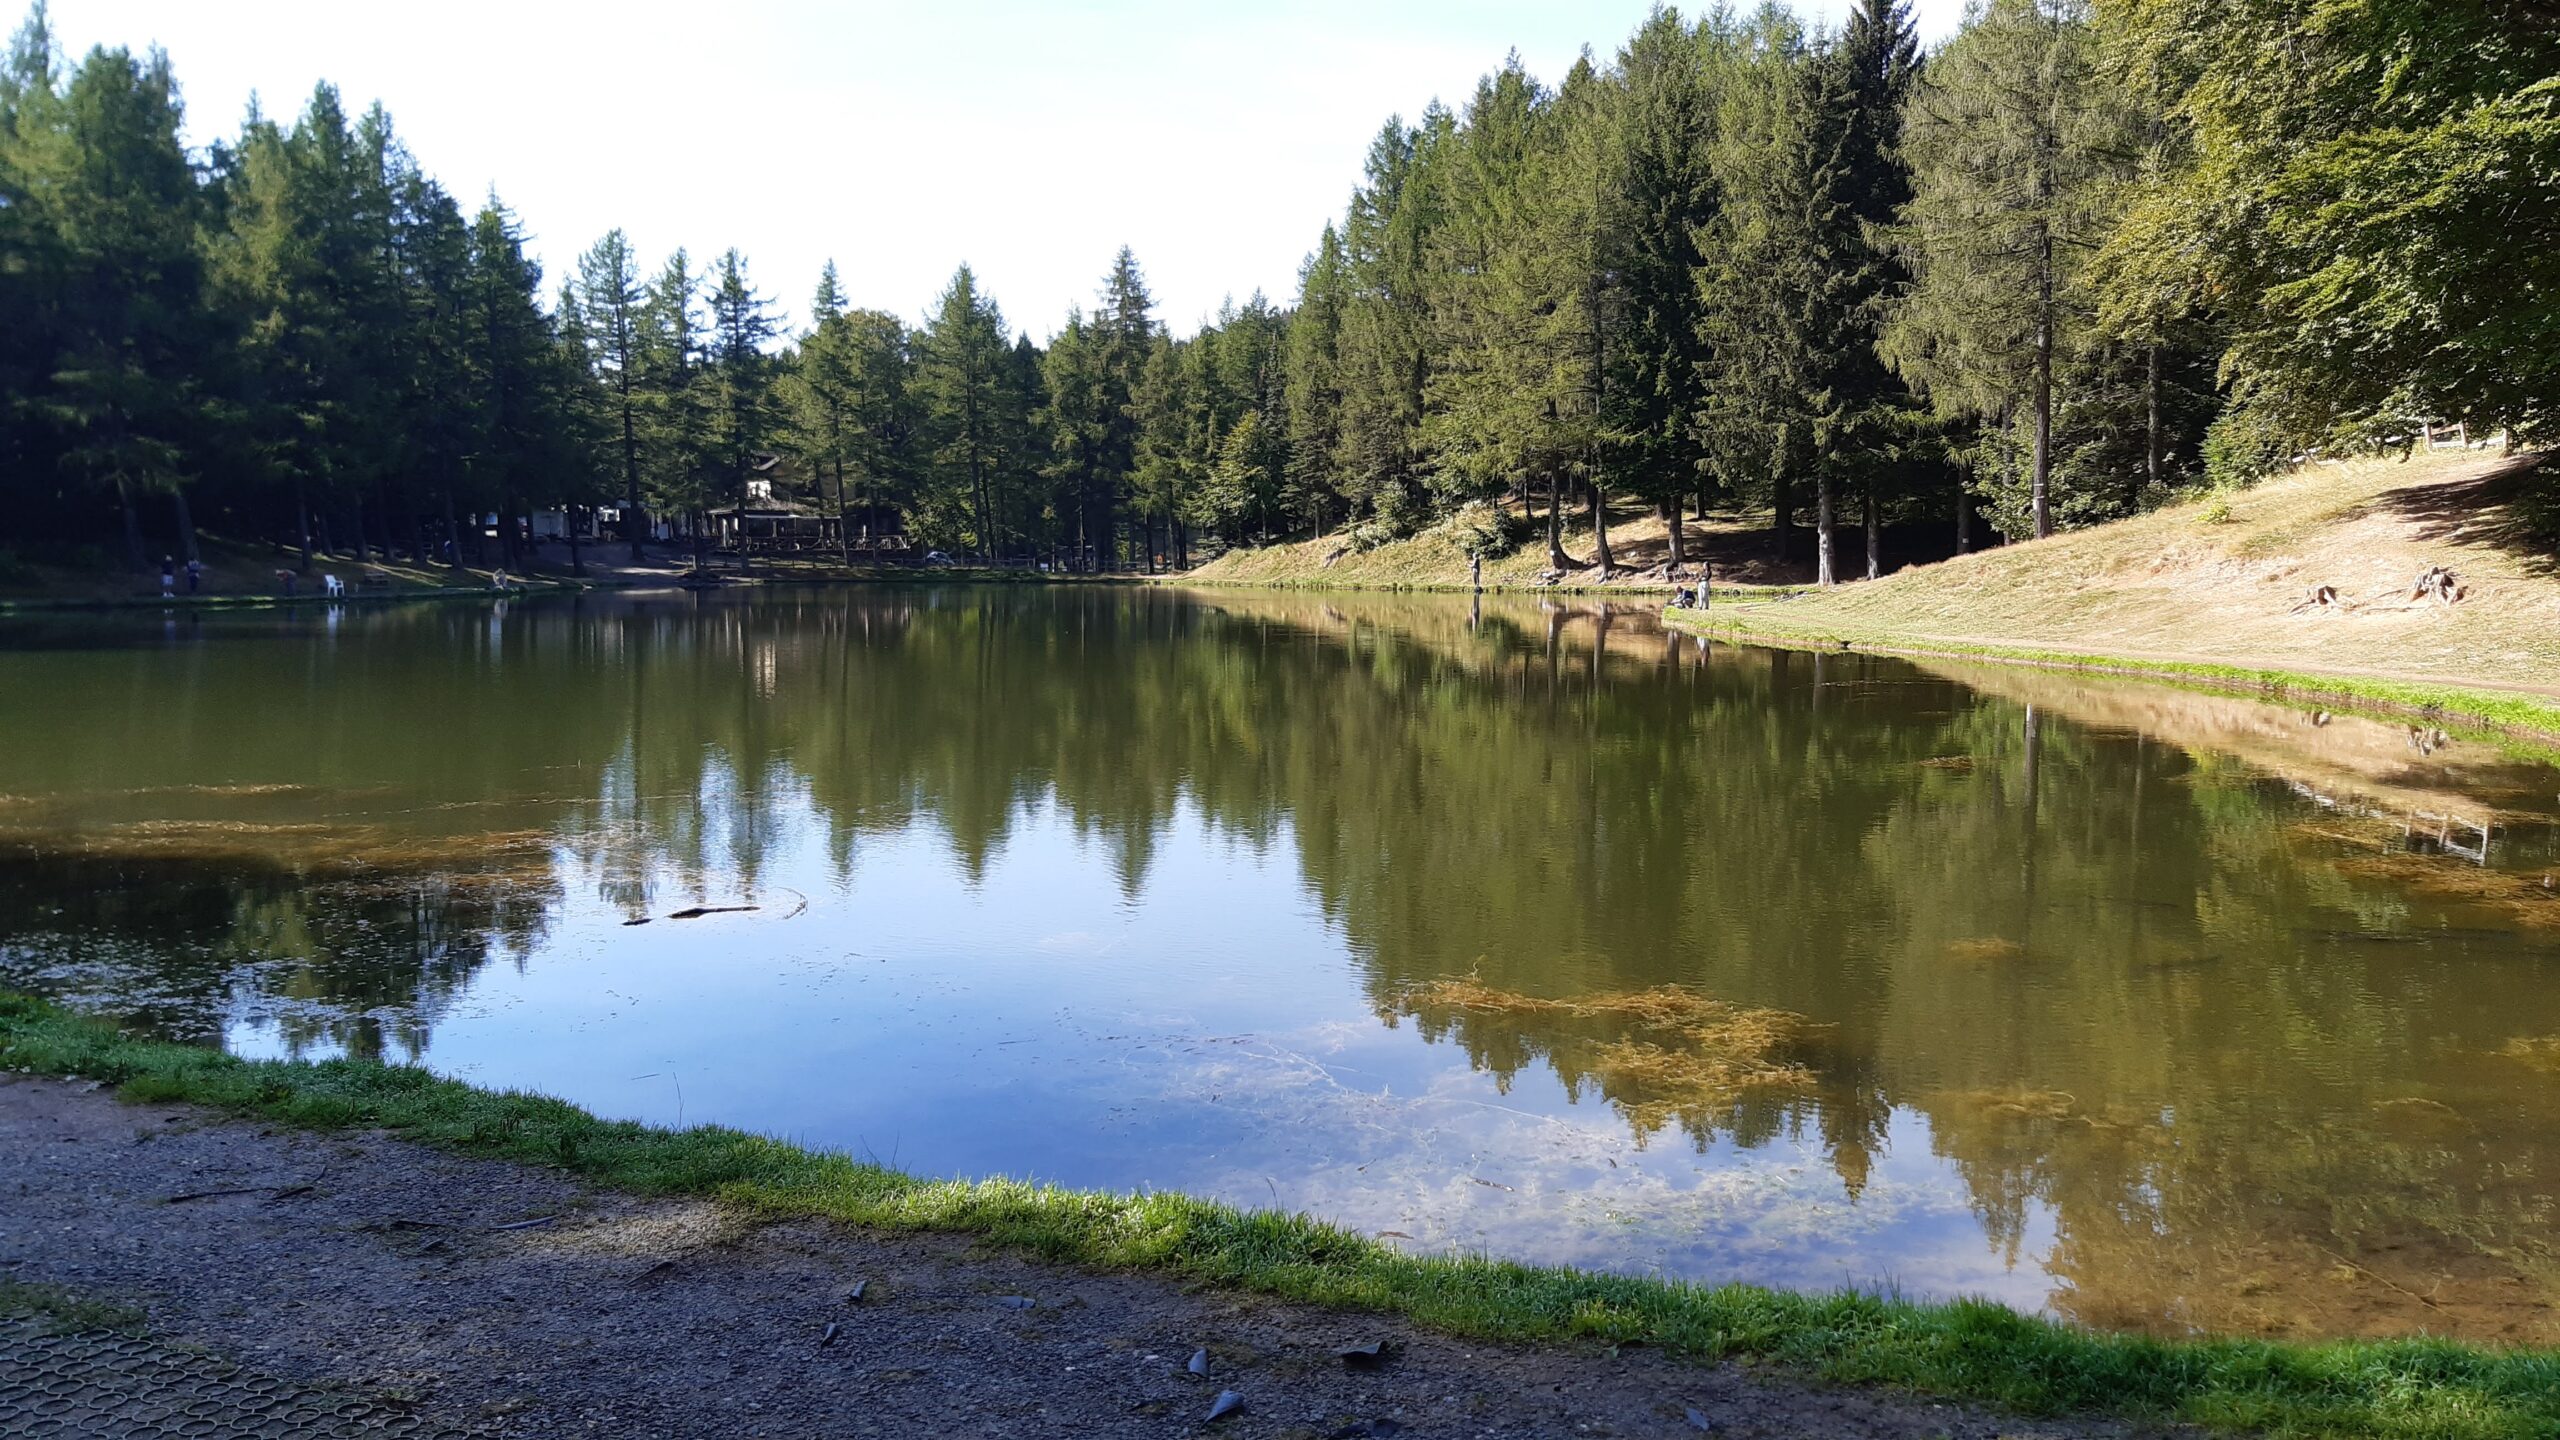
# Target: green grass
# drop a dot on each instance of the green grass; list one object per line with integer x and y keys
{"x": 2526, "y": 723}
{"x": 59, "y": 1312}
{"x": 1967, "y": 1350}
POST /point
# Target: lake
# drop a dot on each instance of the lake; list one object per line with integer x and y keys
{"x": 1525, "y": 927}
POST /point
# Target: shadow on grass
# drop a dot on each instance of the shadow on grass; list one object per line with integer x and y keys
{"x": 2514, "y": 508}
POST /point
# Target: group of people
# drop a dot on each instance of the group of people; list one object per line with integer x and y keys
{"x": 169, "y": 570}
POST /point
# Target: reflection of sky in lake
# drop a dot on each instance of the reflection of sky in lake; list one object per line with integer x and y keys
{"x": 1207, "y": 1034}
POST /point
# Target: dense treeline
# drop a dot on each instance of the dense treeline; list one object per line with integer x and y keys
{"x": 2080, "y": 257}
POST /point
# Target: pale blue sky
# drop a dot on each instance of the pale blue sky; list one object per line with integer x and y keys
{"x": 1030, "y": 139}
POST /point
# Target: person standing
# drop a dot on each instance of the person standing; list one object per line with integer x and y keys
{"x": 195, "y": 575}
{"x": 168, "y": 576}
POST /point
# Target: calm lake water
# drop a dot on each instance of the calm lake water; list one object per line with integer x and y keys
{"x": 1533, "y": 930}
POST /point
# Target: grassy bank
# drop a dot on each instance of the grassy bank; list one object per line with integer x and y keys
{"x": 2221, "y": 591}
{"x": 1435, "y": 560}
{"x": 2528, "y": 720}
{"x": 1967, "y": 1350}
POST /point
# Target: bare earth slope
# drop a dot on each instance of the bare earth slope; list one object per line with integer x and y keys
{"x": 363, "y": 1275}
{"x": 2182, "y": 584}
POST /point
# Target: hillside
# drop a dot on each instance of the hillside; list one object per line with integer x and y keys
{"x": 2226, "y": 581}
{"x": 1737, "y": 545}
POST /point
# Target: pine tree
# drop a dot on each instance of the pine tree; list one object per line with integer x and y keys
{"x": 35, "y": 150}
{"x": 965, "y": 389}
{"x": 1666, "y": 196}
{"x": 1874, "y": 64}
{"x": 740, "y": 374}
{"x": 516, "y": 380}
{"x": 2014, "y": 147}
{"x": 821, "y": 395}
{"x": 1493, "y": 286}
{"x": 1314, "y": 384}
{"x": 679, "y": 452}
{"x": 1124, "y": 326}
{"x": 442, "y": 429}
{"x": 1775, "y": 314}
{"x": 129, "y": 313}
{"x": 1385, "y": 344}
{"x": 611, "y": 297}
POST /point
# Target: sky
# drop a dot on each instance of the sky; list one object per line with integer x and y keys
{"x": 1030, "y": 138}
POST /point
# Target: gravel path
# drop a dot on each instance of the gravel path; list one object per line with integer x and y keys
{"x": 362, "y": 1277}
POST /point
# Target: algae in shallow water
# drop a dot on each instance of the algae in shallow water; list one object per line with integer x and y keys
{"x": 1675, "y": 1055}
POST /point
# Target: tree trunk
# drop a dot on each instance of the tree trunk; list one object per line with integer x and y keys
{"x": 452, "y": 534}
{"x": 634, "y": 525}
{"x": 2043, "y": 491}
{"x": 186, "y": 525}
{"x": 1782, "y": 500}
{"x": 133, "y": 551}
{"x": 1825, "y": 532}
{"x": 1600, "y": 531}
{"x": 1671, "y": 518}
{"x": 355, "y": 526}
{"x": 844, "y": 537}
{"x": 1556, "y": 558}
{"x": 2151, "y": 418}
{"x": 302, "y": 519}
{"x": 1875, "y": 533}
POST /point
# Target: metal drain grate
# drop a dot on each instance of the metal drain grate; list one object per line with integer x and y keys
{"x": 99, "y": 1384}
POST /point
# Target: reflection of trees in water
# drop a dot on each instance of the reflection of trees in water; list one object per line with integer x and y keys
{"x": 2125, "y": 984}
{"x": 362, "y": 965}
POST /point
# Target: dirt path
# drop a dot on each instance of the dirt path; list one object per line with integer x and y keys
{"x": 361, "y": 1275}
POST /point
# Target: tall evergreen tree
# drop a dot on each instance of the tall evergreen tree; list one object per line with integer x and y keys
{"x": 1665, "y": 198}
{"x": 611, "y": 298}
{"x": 965, "y": 387}
{"x": 742, "y": 411}
{"x": 2014, "y": 147}
{"x": 1314, "y": 383}
{"x": 129, "y": 324}
{"x": 1125, "y": 329}
{"x": 1777, "y": 311}
{"x": 682, "y": 475}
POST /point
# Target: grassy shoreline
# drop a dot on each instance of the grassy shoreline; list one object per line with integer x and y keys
{"x": 1969, "y": 1350}
{"x": 2509, "y": 715}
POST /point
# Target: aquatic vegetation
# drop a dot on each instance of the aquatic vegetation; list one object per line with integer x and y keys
{"x": 2542, "y": 1052}
{"x": 1664, "y": 1054}
{"x": 2523, "y": 898}
{"x": 310, "y": 848}
{"x": 2009, "y": 1105}
{"x": 1985, "y": 950}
